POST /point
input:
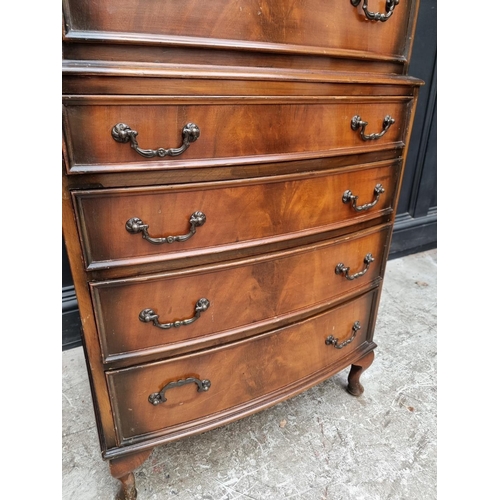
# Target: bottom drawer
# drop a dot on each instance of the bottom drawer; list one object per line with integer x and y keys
{"x": 164, "y": 397}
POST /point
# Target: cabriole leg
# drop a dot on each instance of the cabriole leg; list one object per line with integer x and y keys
{"x": 354, "y": 387}
{"x": 122, "y": 469}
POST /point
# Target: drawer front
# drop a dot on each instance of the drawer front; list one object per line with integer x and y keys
{"x": 315, "y": 24}
{"x": 239, "y": 374}
{"x": 236, "y": 213}
{"x": 138, "y": 315}
{"x": 99, "y": 136}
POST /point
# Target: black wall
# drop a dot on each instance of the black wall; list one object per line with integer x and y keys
{"x": 416, "y": 220}
{"x": 70, "y": 317}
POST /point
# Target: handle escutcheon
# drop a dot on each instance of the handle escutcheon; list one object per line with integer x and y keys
{"x": 122, "y": 133}
{"x": 348, "y": 197}
{"x": 148, "y": 315}
{"x": 377, "y": 16}
{"x": 342, "y": 269}
{"x": 135, "y": 225}
{"x": 358, "y": 123}
{"x": 159, "y": 397}
{"x": 331, "y": 340}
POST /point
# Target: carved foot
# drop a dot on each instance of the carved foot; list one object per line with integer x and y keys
{"x": 122, "y": 469}
{"x": 354, "y": 387}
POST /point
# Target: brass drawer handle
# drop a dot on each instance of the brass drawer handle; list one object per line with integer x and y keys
{"x": 376, "y": 16}
{"x": 357, "y": 123}
{"x": 147, "y": 315}
{"x": 331, "y": 340}
{"x": 159, "y": 397}
{"x": 135, "y": 225}
{"x": 342, "y": 269}
{"x": 121, "y": 132}
{"x": 348, "y": 197}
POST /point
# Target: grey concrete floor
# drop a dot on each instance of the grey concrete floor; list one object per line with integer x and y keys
{"x": 321, "y": 445}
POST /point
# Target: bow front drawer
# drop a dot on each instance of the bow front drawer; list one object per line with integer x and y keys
{"x": 166, "y": 397}
{"x": 127, "y": 134}
{"x": 214, "y": 304}
{"x": 138, "y": 225}
{"x": 370, "y": 28}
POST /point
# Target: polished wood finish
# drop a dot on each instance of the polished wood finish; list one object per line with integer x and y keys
{"x": 240, "y": 373}
{"x": 354, "y": 386}
{"x": 230, "y": 128}
{"x": 312, "y": 27}
{"x": 291, "y": 269}
{"x": 249, "y": 212}
{"x": 145, "y": 79}
{"x": 243, "y": 295}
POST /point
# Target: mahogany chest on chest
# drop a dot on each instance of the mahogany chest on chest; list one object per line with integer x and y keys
{"x": 231, "y": 172}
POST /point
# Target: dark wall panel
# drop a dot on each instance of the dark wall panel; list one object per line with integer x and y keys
{"x": 416, "y": 222}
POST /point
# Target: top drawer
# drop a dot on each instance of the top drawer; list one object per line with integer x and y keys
{"x": 375, "y": 29}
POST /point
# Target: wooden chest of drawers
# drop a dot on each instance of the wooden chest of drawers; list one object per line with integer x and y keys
{"x": 231, "y": 171}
